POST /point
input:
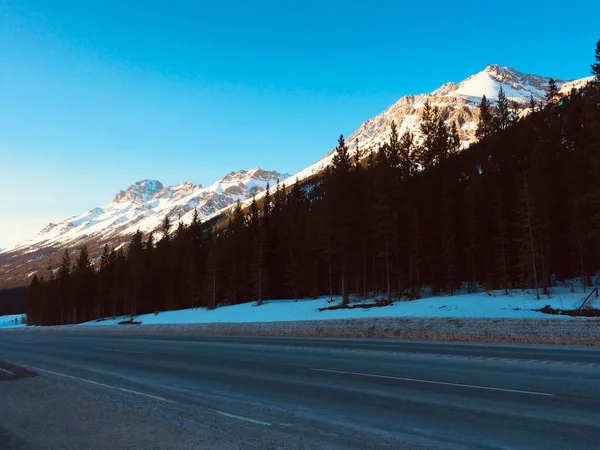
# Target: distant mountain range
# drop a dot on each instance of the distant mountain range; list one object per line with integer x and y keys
{"x": 144, "y": 204}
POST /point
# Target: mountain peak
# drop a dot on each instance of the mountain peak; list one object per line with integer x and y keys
{"x": 497, "y": 69}
{"x": 458, "y": 103}
{"x": 516, "y": 85}
{"x": 492, "y": 68}
{"x": 140, "y": 192}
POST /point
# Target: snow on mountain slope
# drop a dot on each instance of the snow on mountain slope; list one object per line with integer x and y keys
{"x": 144, "y": 204}
{"x": 458, "y": 103}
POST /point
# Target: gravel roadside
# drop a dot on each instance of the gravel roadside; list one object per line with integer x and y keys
{"x": 576, "y": 331}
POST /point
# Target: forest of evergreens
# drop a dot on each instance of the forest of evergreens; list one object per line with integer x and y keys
{"x": 521, "y": 208}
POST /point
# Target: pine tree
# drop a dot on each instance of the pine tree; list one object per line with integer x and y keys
{"x": 453, "y": 140}
{"x": 426, "y": 153}
{"x": 532, "y": 103}
{"x": 84, "y": 286}
{"x": 596, "y": 65}
{"x": 357, "y": 156}
{"x": 195, "y": 225}
{"x": 528, "y": 239}
{"x": 105, "y": 276}
{"x": 165, "y": 227}
{"x": 258, "y": 252}
{"x": 485, "y": 127}
{"x": 64, "y": 280}
{"x": 384, "y": 223}
{"x": 341, "y": 160}
{"x": 135, "y": 255}
{"x": 503, "y": 110}
{"x": 407, "y": 157}
{"x": 339, "y": 211}
{"x": 393, "y": 147}
{"x": 551, "y": 91}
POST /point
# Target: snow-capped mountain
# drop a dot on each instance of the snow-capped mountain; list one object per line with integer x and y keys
{"x": 142, "y": 206}
{"x": 457, "y": 102}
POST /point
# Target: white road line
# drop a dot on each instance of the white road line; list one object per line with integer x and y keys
{"x": 121, "y": 351}
{"x": 245, "y": 419}
{"x": 8, "y": 372}
{"x": 129, "y": 391}
{"x": 416, "y": 380}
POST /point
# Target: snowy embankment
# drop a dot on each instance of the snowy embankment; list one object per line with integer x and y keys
{"x": 520, "y": 305}
{"x": 483, "y": 317}
{"x": 11, "y": 321}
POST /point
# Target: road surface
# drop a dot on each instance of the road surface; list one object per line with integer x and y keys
{"x": 94, "y": 391}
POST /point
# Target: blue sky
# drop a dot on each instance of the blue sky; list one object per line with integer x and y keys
{"x": 95, "y": 95}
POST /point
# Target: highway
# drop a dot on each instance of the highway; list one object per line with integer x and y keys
{"x": 105, "y": 391}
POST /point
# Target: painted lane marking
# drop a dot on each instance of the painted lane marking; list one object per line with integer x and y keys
{"x": 7, "y": 372}
{"x": 445, "y": 383}
{"x": 245, "y": 419}
{"x": 129, "y": 391}
{"x": 121, "y": 351}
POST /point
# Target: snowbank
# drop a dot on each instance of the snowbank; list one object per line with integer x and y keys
{"x": 495, "y": 305}
{"x": 9, "y": 321}
{"x": 482, "y": 317}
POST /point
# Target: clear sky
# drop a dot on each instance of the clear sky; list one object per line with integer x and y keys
{"x": 97, "y": 94}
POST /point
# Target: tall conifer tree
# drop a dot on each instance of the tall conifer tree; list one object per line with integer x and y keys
{"x": 485, "y": 127}
{"x": 596, "y": 65}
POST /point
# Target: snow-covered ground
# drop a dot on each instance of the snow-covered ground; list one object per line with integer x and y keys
{"x": 518, "y": 305}
{"x": 12, "y": 321}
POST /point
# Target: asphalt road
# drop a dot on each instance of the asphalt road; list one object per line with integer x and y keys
{"x": 95, "y": 391}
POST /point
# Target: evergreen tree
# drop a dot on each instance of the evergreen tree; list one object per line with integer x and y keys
{"x": 426, "y": 153}
{"x": 341, "y": 160}
{"x": 384, "y": 221}
{"x": 596, "y": 65}
{"x": 135, "y": 256}
{"x": 83, "y": 286}
{"x": 393, "y": 147}
{"x": 105, "y": 275}
{"x": 406, "y": 149}
{"x": 339, "y": 211}
{"x": 503, "y": 118}
{"x": 258, "y": 250}
{"x": 485, "y": 127}
{"x": 165, "y": 227}
{"x": 64, "y": 281}
{"x": 357, "y": 156}
{"x": 551, "y": 91}
{"x": 529, "y": 250}
{"x": 532, "y": 103}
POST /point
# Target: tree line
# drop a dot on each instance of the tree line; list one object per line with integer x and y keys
{"x": 520, "y": 208}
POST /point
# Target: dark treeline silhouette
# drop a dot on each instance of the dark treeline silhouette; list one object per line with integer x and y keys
{"x": 521, "y": 208}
